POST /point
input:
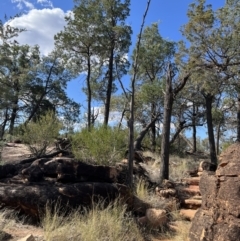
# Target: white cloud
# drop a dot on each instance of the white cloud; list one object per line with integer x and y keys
{"x": 28, "y": 5}
{"x": 41, "y": 26}
{"x": 45, "y": 3}
{"x": 23, "y": 3}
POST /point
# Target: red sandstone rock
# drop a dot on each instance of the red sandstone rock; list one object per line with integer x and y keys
{"x": 218, "y": 219}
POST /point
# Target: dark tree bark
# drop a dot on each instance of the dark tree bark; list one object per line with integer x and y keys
{"x": 109, "y": 85}
{"x": 31, "y": 199}
{"x": 168, "y": 102}
{"x": 138, "y": 141}
{"x": 218, "y": 130}
{"x": 238, "y": 119}
{"x": 89, "y": 96}
{"x": 13, "y": 116}
{"x": 209, "y": 99}
{"x": 153, "y": 127}
{"x": 170, "y": 94}
{"x": 3, "y": 125}
{"x": 194, "y": 136}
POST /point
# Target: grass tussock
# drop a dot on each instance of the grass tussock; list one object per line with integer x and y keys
{"x": 111, "y": 223}
{"x": 178, "y": 166}
{"x": 182, "y": 231}
{"x": 142, "y": 189}
{"x": 6, "y": 221}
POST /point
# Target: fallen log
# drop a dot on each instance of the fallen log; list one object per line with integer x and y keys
{"x": 29, "y": 185}
{"x": 31, "y": 199}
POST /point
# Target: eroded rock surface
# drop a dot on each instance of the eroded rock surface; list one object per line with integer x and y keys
{"x": 218, "y": 219}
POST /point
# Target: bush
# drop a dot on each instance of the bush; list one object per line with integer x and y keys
{"x": 41, "y": 134}
{"x": 101, "y": 145}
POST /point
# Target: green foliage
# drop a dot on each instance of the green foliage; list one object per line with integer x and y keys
{"x": 101, "y": 145}
{"x": 154, "y": 53}
{"x": 97, "y": 46}
{"x": 41, "y": 134}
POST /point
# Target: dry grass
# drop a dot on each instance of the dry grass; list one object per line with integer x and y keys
{"x": 178, "y": 167}
{"x": 111, "y": 223}
{"x": 7, "y": 218}
{"x": 182, "y": 232}
{"x": 142, "y": 190}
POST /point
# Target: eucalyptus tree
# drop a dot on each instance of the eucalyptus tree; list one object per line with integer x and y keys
{"x": 79, "y": 41}
{"x": 31, "y": 84}
{"x": 47, "y": 89}
{"x": 188, "y": 113}
{"x": 15, "y": 65}
{"x": 154, "y": 53}
{"x": 7, "y": 33}
{"x": 213, "y": 51}
{"x": 96, "y": 39}
{"x": 174, "y": 84}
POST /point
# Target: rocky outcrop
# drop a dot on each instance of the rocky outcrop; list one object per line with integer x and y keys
{"x": 28, "y": 187}
{"x": 218, "y": 219}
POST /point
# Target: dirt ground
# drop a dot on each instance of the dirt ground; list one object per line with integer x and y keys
{"x": 14, "y": 152}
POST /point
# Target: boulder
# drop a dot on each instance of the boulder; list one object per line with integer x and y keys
{"x": 187, "y": 214}
{"x": 27, "y": 238}
{"x": 218, "y": 218}
{"x": 156, "y": 217}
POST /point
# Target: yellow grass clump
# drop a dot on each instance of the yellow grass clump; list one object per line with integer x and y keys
{"x": 109, "y": 223}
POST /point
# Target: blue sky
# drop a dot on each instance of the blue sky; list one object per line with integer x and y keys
{"x": 44, "y": 18}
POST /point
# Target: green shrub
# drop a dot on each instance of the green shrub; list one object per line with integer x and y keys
{"x": 41, "y": 134}
{"x": 101, "y": 145}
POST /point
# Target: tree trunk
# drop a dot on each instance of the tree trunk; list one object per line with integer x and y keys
{"x": 138, "y": 141}
{"x": 36, "y": 107}
{"x": 13, "y": 117}
{"x": 194, "y": 136}
{"x": 3, "y": 125}
{"x": 189, "y": 143}
{"x": 238, "y": 118}
{"x": 168, "y": 102}
{"x": 131, "y": 139}
{"x": 109, "y": 87}
{"x": 131, "y": 119}
{"x": 218, "y": 138}
{"x": 211, "y": 139}
{"x": 89, "y": 119}
{"x": 153, "y": 127}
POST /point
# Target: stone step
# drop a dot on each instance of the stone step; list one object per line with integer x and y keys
{"x": 195, "y": 187}
{"x": 187, "y": 214}
{"x": 192, "y": 180}
{"x": 197, "y": 197}
{"x": 191, "y": 190}
{"x": 191, "y": 203}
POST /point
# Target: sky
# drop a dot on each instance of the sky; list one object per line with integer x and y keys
{"x": 44, "y": 18}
